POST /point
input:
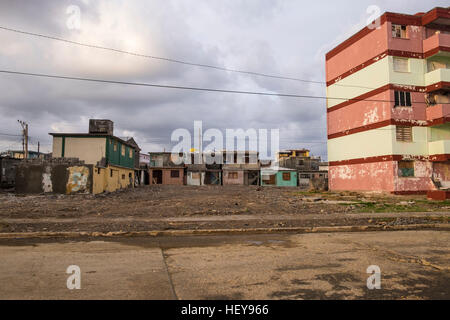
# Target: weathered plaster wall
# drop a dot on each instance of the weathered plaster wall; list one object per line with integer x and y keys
{"x": 90, "y": 150}
{"x": 195, "y": 178}
{"x": 361, "y": 51}
{"x": 57, "y": 147}
{"x": 381, "y": 176}
{"x": 238, "y": 180}
{"x": 412, "y": 44}
{"x": 367, "y": 176}
{"x": 166, "y": 176}
{"x": 421, "y": 180}
{"x": 53, "y": 177}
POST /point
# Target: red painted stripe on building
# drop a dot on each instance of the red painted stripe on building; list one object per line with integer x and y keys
{"x": 376, "y": 125}
{"x": 369, "y": 94}
{"x": 434, "y": 51}
{"x": 434, "y": 14}
{"x": 395, "y": 157}
{"x": 438, "y": 86}
{"x": 395, "y": 122}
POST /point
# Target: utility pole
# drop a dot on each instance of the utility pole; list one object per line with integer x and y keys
{"x": 25, "y": 138}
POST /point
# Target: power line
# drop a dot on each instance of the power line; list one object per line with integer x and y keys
{"x": 10, "y": 135}
{"x": 42, "y": 75}
{"x": 252, "y": 73}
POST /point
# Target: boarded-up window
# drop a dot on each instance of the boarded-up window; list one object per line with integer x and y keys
{"x": 404, "y": 134}
{"x": 174, "y": 173}
{"x": 269, "y": 178}
{"x": 232, "y": 175}
{"x": 399, "y": 31}
{"x": 406, "y": 168}
{"x": 123, "y": 150}
{"x": 286, "y": 176}
{"x": 402, "y": 99}
{"x": 401, "y": 64}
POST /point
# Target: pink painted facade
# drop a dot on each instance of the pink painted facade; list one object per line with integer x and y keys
{"x": 164, "y": 176}
{"x": 424, "y": 163}
{"x": 228, "y": 180}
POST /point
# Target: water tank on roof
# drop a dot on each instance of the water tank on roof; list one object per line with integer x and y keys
{"x": 101, "y": 126}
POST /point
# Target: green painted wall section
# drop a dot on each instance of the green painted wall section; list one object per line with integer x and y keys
{"x": 279, "y": 182}
{"x": 285, "y": 183}
{"x": 114, "y": 154}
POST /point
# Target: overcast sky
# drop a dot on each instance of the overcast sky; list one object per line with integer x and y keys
{"x": 281, "y": 37}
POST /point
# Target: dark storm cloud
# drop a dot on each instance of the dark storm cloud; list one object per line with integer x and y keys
{"x": 276, "y": 37}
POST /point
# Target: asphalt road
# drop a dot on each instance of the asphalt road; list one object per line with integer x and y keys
{"x": 413, "y": 264}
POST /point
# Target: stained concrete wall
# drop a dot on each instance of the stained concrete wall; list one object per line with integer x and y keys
{"x": 227, "y": 180}
{"x": 195, "y": 178}
{"x": 63, "y": 176}
{"x": 166, "y": 176}
{"x": 8, "y": 171}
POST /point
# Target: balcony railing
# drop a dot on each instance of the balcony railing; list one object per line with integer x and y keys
{"x": 439, "y": 147}
{"x": 431, "y": 45}
{"x": 438, "y": 111}
{"x": 436, "y": 76}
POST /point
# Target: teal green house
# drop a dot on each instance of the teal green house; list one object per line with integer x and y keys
{"x": 278, "y": 177}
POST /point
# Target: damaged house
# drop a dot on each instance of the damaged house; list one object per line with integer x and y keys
{"x": 112, "y": 158}
{"x": 166, "y": 168}
{"x": 309, "y": 170}
{"x": 241, "y": 168}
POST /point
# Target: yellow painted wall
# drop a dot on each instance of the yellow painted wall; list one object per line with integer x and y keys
{"x": 90, "y": 150}
{"x": 362, "y": 144}
{"x": 437, "y": 76}
{"x": 103, "y": 181}
{"x": 419, "y": 145}
{"x": 374, "y": 76}
{"x": 57, "y": 147}
{"x": 380, "y": 142}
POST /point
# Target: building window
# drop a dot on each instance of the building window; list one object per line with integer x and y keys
{"x": 123, "y": 151}
{"x": 286, "y": 176}
{"x": 123, "y": 177}
{"x": 301, "y": 162}
{"x": 404, "y": 134}
{"x": 401, "y": 64}
{"x": 232, "y": 175}
{"x": 304, "y": 176}
{"x": 131, "y": 153}
{"x": 399, "y": 31}
{"x": 402, "y": 99}
{"x": 98, "y": 170}
{"x": 111, "y": 173}
{"x": 115, "y": 145}
{"x": 174, "y": 173}
{"x": 406, "y": 168}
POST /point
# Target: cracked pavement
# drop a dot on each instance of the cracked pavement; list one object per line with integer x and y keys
{"x": 414, "y": 265}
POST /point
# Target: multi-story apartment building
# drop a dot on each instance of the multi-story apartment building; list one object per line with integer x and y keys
{"x": 388, "y": 106}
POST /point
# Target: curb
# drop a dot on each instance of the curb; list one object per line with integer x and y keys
{"x": 174, "y": 233}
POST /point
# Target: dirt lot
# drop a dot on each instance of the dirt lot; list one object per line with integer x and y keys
{"x": 189, "y": 207}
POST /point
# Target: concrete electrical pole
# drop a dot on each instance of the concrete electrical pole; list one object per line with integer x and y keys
{"x": 25, "y": 138}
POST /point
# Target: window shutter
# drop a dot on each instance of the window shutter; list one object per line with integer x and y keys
{"x": 402, "y": 99}
{"x": 404, "y": 134}
{"x": 408, "y": 99}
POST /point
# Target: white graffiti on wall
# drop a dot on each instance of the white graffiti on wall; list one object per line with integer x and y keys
{"x": 47, "y": 185}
